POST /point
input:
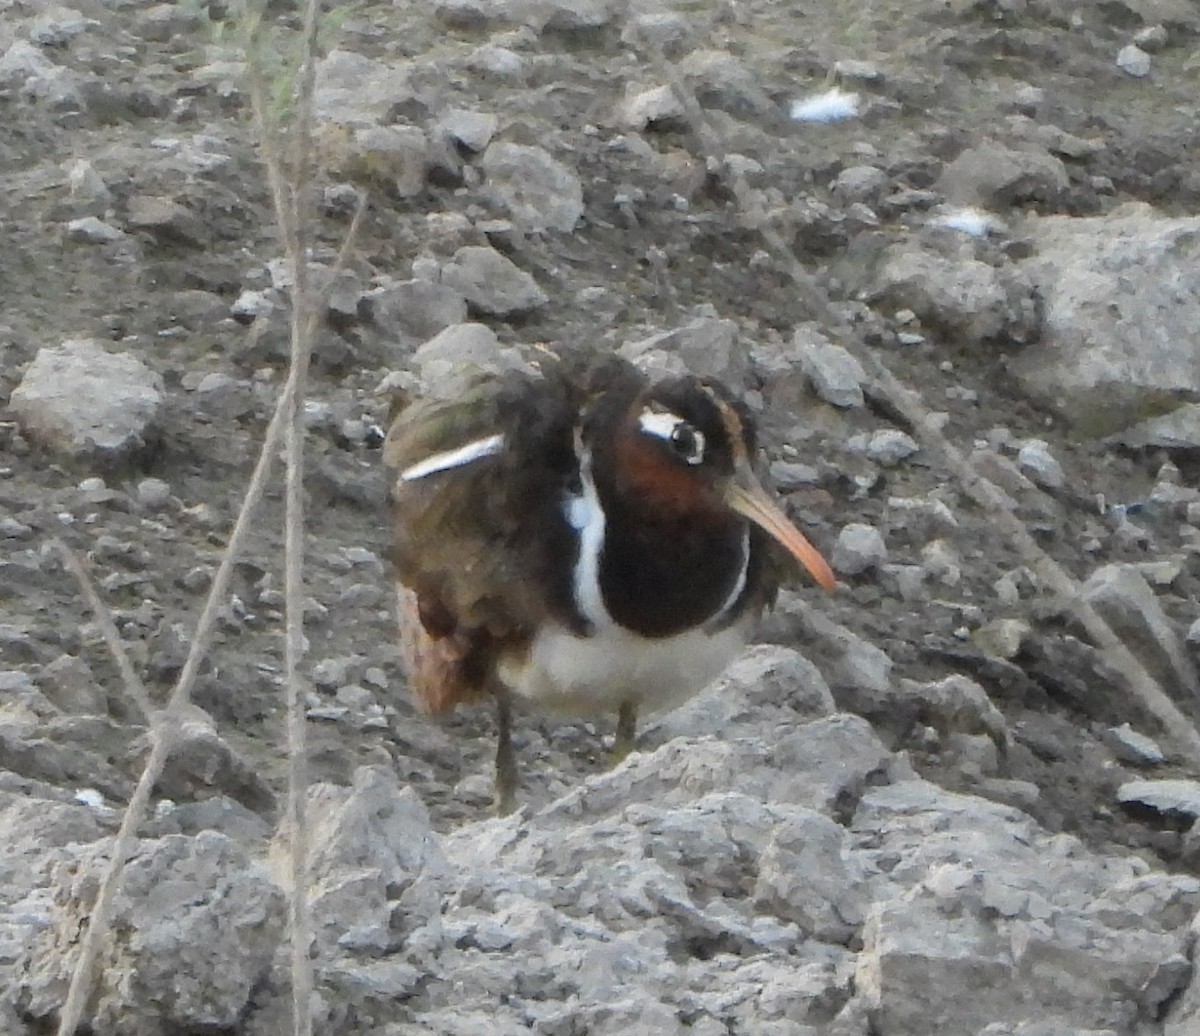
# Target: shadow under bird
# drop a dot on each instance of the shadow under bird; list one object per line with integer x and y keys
{"x": 583, "y": 540}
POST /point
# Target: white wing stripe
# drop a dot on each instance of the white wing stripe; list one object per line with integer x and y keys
{"x": 450, "y": 459}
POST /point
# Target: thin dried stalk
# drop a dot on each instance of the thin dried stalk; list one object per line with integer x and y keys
{"x": 909, "y": 404}
{"x": 287, "y": 408}
{"x": 135, "y": 690}
{"x": 164, "y": 732}
{"x": 289, "y": 190}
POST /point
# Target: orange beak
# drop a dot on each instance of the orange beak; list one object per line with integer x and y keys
{"x": 745, "y": 494}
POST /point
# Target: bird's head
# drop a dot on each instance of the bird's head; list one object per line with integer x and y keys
{"x": 683, "y": 449}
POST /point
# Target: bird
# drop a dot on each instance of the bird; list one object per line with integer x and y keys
{"x": 582, "y": 539}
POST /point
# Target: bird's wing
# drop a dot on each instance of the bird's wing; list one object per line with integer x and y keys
{"x": 477, "y": 505}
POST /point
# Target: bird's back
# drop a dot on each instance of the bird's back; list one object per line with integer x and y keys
{"x": 479, "y": 532}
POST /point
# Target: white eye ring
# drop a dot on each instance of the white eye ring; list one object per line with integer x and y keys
{"x": 685, "y": 439}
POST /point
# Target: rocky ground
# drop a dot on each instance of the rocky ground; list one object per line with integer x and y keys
{"x": 927, "y": 803}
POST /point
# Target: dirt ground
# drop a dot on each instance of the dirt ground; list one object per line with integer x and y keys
{"x": 152, "y": 103}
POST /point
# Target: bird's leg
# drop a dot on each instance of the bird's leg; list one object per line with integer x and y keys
{"x": 626, "y": 739}
{"x": 506, "y": 757}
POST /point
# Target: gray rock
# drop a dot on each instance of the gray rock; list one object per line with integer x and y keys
{"x": 473, "y": 345}
{"x": 357, "y": 90}
{"x": 1065, "y": 927}
{"x": 836, "y": 376}
{"x": 70, "y": 686}
{"x": 471, "y": 15}
{"x": 860, "y": 183}
{"x": 569, "y": 15}
{"x": 83, "y": 401}
{"x": 1151, "y": 38}
{"x": 857, "y": 71}
{"x": 473, "y": 130}
{"x": 767, "y": 687}
{"x": 887, "y": 447}
{"x": 1166, "y": 796}
{"x": 856, "y": 664}
{"x": 416, "y": 308}
{"x": 166, "y": 219}
{"x": 12, "y": 529}
{"x": 666, "y": 31}
{"x": 957, "y": 704}
{"x": 88, "y": 189}
{"x": 941, "y": 562}
{"x": 375, "y": 864}
{"x": 492, "y": 59}
{"x": 153, "y": 494}
{"x": 39, "y": 77}
{"x": 922, "y": 518}
{"x": 954, "y": 292}
{"x": 492, "y": 283}
{"x": 807, "y": 875}
{"x": 58, "y": 26}
{"x": 641, "y": 107}
{"x": 1133, "y": 61}
{"x": 93, "y": 230}
{"x": 195, "y": 928}
{"x": 252, "y": 304}
{"x": 1035, "y": 457}
{"x": 1122, "y": 295}
{"x": 1130, "y": 746}
{"x": 788, "y": 475}
{"x": 204, "y": 761}
{"x": 859, "y": 547}
{"x": 995, "y": 176}
{"x": 1182, "y": 1017}
{"x": 832, "y": 761}
{"x": 707, "y": 347}
{"x": 726, "y": 81}
{"x": 1001, "y": 638}
{"x": 398, "y": 157}
{"x": 1127, "y": 603}
{"x": 451, "y": 359}
{"x": 1178, "y": 430}
{"x": 539, "y": 191}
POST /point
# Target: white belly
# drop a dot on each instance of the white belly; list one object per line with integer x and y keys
{"x": 592, "y": 675}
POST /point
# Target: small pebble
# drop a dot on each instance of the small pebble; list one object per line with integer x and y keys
{"x": 11, "y": 529}
{"x": 859, "y": 547}
{"x": 1133, "y": 61}
{"x": 197, "y": 580}
{"x": 1002, "y": 638}
{"x": 890, "y": 446}
{"x": 89, "y": 797}
{"x": 1151, "y": 39}
{"x": 1131, "y": 747}
{"x": 153, "y": 493}
{"x": 93, "y": 230}
{"x": 1035, "y": 459}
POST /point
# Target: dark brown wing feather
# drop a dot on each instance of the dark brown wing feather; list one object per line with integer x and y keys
{"x": 480, "y": 550}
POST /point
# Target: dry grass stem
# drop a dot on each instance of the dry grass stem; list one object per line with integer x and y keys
{"x": 287, "y": 415}
{"x": 289, "y": 192}
{"x": 135, "y": 690}
{"x": 910, "y": 405}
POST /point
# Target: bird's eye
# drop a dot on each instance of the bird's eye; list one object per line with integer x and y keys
{"x": 687, "y": 443}
{"x": 685, "y": 439}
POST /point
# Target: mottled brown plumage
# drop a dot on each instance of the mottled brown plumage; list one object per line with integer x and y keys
{"x": 581, "y": 538}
